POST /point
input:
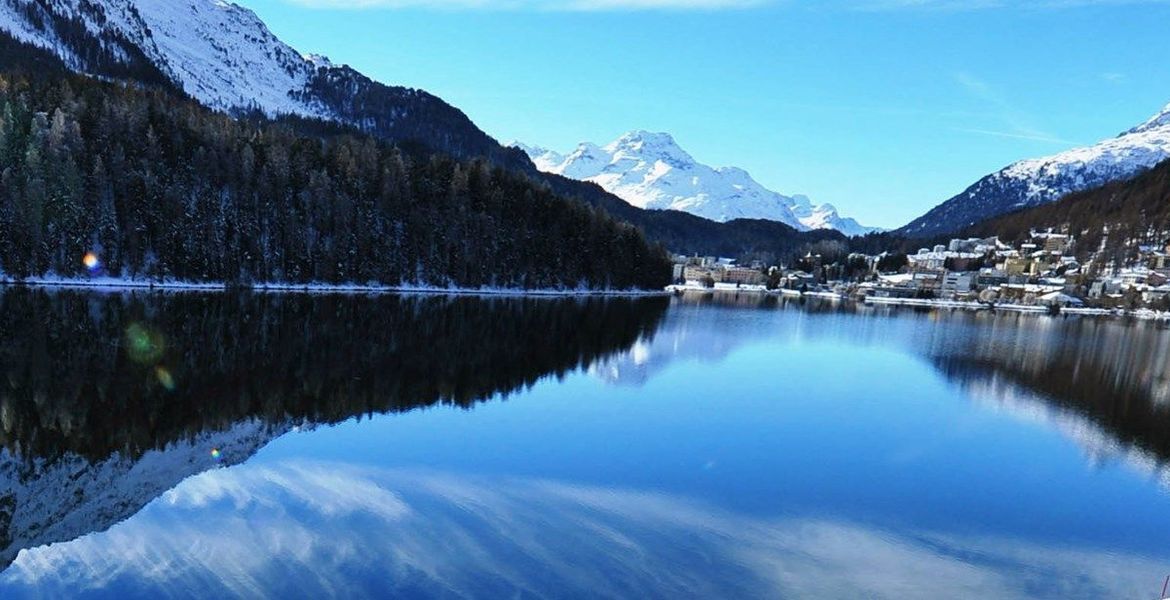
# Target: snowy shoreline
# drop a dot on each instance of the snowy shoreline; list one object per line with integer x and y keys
{"x": 314, "y": 288}
{"x": 1144, "y": 314}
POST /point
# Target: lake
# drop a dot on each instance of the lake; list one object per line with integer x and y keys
{"x": 222, "y": 445}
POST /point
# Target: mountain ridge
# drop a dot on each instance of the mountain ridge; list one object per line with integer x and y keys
{"x": 1037, "y": 181}
{"x": 650, "y": 170}
{"x": 115, "y": 40}
{"x": 223, "y": 56}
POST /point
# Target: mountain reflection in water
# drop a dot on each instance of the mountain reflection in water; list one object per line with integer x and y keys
{"x": 92, "y": 429}
{"x": 257, "y": 531}
{"x": 1113, "y": 373}
{"x": 705, "y": 446}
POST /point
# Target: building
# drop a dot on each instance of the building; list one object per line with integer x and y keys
{"x": 928, "y": 281}
{"x": 927, "y": 259}
{"x": 742, "y": 276}
{"x": 958, "y": 282}
{"x": 1102, "y": 288}
{"x": 796, "y": 280}
{"x": 1020, "y": 265}
{"x": 1057, "y": 243}
{"x": 697, "y": 273}
{"x": 1060, "y": 299}
{"x": 990, "y": 278}
{"x": 1156, "y": 295}
{"x": 974, "y": 245}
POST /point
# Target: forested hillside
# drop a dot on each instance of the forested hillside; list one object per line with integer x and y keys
{"x": 1115, "y": 218}
{"x": 224, "y": 57}
{"x": 161, "y": 188}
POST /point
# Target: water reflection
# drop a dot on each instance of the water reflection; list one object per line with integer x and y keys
{"x": 256, "y": 531}
{"x": 1104, "y": 384}
{"x": 706, "y": 327}
{"x": 1114, "y": 374}
{"x": 91, "y": 431}
{"x": 731, "y": 446}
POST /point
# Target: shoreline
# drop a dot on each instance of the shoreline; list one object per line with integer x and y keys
{"x": 1144, "y": 314}
{"x": 114, "y": 285}
{"x": 317, "y": 288}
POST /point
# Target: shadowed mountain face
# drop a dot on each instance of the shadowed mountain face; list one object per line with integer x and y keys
{"x": 109, "y": 400}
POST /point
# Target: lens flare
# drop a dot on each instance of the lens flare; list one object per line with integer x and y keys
{"x": 215, "y": 453}
{"x": 165, "y": 378}
{"x": 91, "y": 261}
{"x": 144, "y": 345}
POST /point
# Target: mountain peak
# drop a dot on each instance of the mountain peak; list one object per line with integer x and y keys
{"x": 1159, "y": 120}
{"x": 318, "y": 60}
{"x": 649, "y": 146}
{"x": 643, "y": 137}
{"x": 650, "y": 170}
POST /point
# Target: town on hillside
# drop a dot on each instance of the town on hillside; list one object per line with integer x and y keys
{"x": 1040, "y": 273}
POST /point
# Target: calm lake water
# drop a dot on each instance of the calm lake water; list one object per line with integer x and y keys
{"x": 212, "y": 445}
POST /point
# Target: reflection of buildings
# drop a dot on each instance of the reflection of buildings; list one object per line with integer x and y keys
{"x": 1138, "y": 441}
{"x": 1110, "y": 364}
{"x": 690, "y": 332}
{"x": 1104, "y": 383}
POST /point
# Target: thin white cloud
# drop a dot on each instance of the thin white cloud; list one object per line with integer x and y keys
{"x": 1011, "y": 121}
{"x": 1016, "y": 135}
{"x": 1113, "y": 77}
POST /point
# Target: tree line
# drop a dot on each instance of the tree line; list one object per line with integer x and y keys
{"x": 94, "y": 375}
{"x": 159, "y": 188}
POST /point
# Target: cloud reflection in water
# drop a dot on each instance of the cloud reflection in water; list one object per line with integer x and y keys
{"x": 326, "y": 529}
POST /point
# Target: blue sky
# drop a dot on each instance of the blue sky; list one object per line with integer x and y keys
{"x": 883, "y": 107}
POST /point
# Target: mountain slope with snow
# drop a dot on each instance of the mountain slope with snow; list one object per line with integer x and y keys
{"x": 651, "y": 171}
{"x": 1038, "y": 181}
{"x": 218, "y": 53}
{"x": 224, "y": 57}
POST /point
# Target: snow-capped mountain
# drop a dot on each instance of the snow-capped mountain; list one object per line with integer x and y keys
{"x": 223, "y": 56}
{"x": 650, "y": 170}
{"x": 218, "y": 53}
{"x": 1040, "y": 180}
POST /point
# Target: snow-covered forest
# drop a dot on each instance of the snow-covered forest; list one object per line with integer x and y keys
{"x": 160, "y": 188}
